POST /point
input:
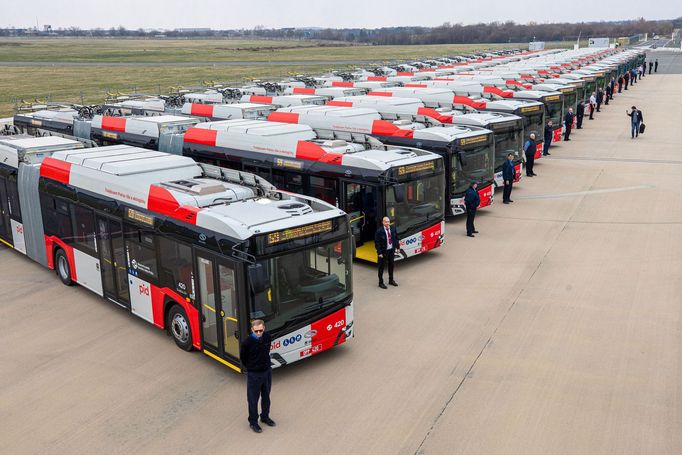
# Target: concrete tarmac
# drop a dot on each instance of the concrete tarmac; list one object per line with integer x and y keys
{"x": 557, "y": 330}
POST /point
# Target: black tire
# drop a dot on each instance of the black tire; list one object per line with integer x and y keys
{"x": 179, "y": 328}
{"x": 63, "y": 268}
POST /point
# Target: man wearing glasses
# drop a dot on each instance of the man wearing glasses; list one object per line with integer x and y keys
{"x": 255, "y": 357}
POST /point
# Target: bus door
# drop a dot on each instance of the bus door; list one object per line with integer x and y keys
{"x": 5, "y": 228}
{"x": 112, "y": 260}
{"x": 218, "y": 297}
{"x": 361, "y": 202}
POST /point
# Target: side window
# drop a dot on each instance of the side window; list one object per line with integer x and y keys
{"x": 84, "y": 234}
{"x": 324, "y": 188}
{"x": 353, "y": 198}
{"x": 141, "y": 253}
{"x": 176, "y": 267}
{"x": 57, "y": 219}
{"x": 289, "y": 181}
{"x": 13, "y": 194}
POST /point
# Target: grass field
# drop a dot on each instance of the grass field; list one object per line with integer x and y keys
{"x": 51, "y": 77}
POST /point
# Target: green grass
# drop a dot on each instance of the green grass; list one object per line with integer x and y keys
{"x": 90, "y": 50}
{"x": 89, "y": 84}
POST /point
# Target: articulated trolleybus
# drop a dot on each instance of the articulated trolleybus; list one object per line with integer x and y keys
{"x": 192, "y": 248}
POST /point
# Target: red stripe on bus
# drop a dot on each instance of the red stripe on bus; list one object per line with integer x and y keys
{"x": 342, "y": 84}
{"x": 114, "y": 124}
{"x": 201, "y": 136}
{"x": 377, "y": 78}
{"x": 304, "y": 91}
{"x": 284, "y": 117}
{"x": 416, "y": 85}
{"x": 386, "y": 128}
{"x": 54, "y": 169}
{"x": 443, "y": 79}
{"x": 429, "y": 112}
{"x": 404, "y": 73}
{"x": 340, "y": 103}
{"x": 161, "y": 201}
{"x": 498, "y": 91}
{"x": 309, "y": 151}
{"x": 202, "y": 110}
{"x": 466, "y": 101}
{"x": 260, "y": 99}
{"x": 380, "y": 94}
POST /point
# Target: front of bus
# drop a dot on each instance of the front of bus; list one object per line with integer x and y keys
{"x": 554, "y": 111}
{"x": 472, "y": 161}
{"x": 414, "y": 201}
{"x": 508, "y": 139}
{"x": 301, "y": 285}
{"x": 533, "y": 116}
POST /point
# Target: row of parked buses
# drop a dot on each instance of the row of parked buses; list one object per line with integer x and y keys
{"x": 252, "y": 202}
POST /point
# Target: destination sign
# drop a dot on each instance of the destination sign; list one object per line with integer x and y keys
{"x": 427, "y": 166}
{"x": 140, "y": 217}
{"x": 566, "y": 90}
{"x": 553, "y": 98}
{"x": 288, "y": 164}
{"x": 473, "y": 140}
{"x": 530, "y": 108}
{"x": 298, "y": 232}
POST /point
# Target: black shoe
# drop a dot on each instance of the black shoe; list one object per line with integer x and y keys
{"x": 529, "y": 175}
{"x": 579, "y": 128}
{"x": 534, "y": 174}
{"x": 510, "y": 200}
{"x": 505, "y": 202}
{"x": 393, "y": 283}
{"x": 256, "y": 428}
{"x": 382, "y": 286}
{"x": 566, "y": 139}
{"x": 475, "y": 232}
{"x": 547, "y": 154}
{"x": 268, "y": 421}
{"x": 471, "y": 235}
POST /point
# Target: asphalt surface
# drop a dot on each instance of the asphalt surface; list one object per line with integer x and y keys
{"x": 557, "y": 330}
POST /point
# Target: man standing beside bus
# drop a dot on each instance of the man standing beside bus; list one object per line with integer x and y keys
{"x": 656, "y": 66}
{"x": 549, "y": 134}
{"x": 529, "y": 151}
{"x": 579, "y": 114}
{"x": 508, "y": 174}
{"x": 471, "y": 201}
{"x": 387, "y": 244}
{"x": 255, "y": 357}
{"x": 568, "y": 124}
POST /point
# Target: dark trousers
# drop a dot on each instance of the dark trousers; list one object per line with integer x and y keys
{"x": 387, "y": 259}
{"x": 471, "y": 214}
{"x": 591, "y": 113}
{"x": 634, "y": 129}
{"x": 598, "y": 106}
{"x": 258, "y": 385}
{"x": 530, "y": 160}
{"x": 579, "y": 121}
{"x": 626, "y": 85}
{"x": 620, "y": 88}
{"x": 545, "y": 146}
{"x": 567, "y": 132}
{"x": 606, "y": 99}
{"x": 506, "y": 193}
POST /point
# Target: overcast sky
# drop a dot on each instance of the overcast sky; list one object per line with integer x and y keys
{"x": 229, "y": 14}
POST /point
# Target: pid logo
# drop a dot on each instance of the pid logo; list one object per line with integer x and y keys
{"x": 20, "y": 229}
{"x": 143, "y": 290}
{"x": 292, "y": 340}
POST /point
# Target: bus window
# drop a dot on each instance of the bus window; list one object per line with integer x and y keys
{"x": 141, "y": 253}
{"x": 176, "y": 267}
{"x": 13, "y": 195}
{"x": 84, "y": 234}
{"x": 324, "y": 188}
{"x": 289, "y": 181}
{"x": 207, "y": 296}
{"x": 57, "y": 219}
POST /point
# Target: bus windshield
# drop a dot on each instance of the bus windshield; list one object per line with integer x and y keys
{"x": 507, "y": 140}
{"x": 533, "y": 123}
{"x": 553, "y": 111}
{"x": 471, "y": 165}
{"x": 415, "y": 203}
{"x": 303, "y": 283}
{"x": 590, "y": 87}
{"x": 569, "y": 99}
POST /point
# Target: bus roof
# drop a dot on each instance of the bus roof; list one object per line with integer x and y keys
{"x": 179, "y": 188}
{"x": 31, "y": 150}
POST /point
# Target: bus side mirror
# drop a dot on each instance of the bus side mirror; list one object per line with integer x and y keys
{"x": 257, "y": 279}
{"x": 399, "y": 190}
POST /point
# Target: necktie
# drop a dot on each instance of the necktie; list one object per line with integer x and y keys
{"x": 388, "y": 236}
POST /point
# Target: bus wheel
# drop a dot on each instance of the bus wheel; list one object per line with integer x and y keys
{"x": 63, "y": 268}
{"x": 178, "y": 326}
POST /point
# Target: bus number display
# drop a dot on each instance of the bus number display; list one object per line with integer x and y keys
{"x": 427, "y": 166}
{"x": 298, "y": 232}
{"x": 530, "y": 109}
{"x": 473, "y": 140}
{"x": 140, "y": 217}
{"x": 553, "y": 98}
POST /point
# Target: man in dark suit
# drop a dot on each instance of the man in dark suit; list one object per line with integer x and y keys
{"x": 579, "y": 114}
{"x": 508, "y": 174}
{"x": 621, "y": 81}
{"x": 529, "y": 151}
{"x": 612, "y": 84}
{"x": 568, "y": 124}
{"x": 656, "y": 66}
{"x": 549, "y": 135}
{"x": 600, "y": 99}
{"x": 387, "y": 244}
{"x": 471, "y": 201}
